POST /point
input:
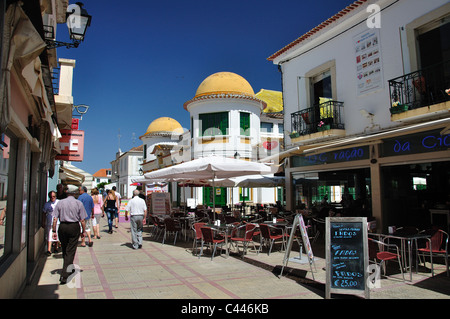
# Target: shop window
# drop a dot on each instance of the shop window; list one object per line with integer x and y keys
{"x": 335, "y": 194}
{"x": 419, "y": 183}
{"x": 244, "y": 194}
{"x": 322, "y": 89}
{"x": 426, "y": 41}
{"x": 434, "y": 42}
{"x": 281, "y": 128}
{"x": 8, "y": 154}
{"x": 266, "y": 127}
{"x": 213, "y": 124}
{"x": 220, "y": 196}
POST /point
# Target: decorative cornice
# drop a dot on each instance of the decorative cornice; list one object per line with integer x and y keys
{"x": 161, "y": 134}
{"x": 224, "y": 95}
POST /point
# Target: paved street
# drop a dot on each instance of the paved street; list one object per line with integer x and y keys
{"x": 111, "y": 269}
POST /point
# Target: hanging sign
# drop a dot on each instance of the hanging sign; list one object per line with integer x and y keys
{"x": 72, "y": 146}
{"x": 347, "y": 258}
{"x": 369, "y": 70}
{"x": 160, "y": 203}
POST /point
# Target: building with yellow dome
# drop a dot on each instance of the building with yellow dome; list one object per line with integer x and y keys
{"x": 162, "y": 136}
{"x": 225, "y": 117}
{"x": 164, "y": 126}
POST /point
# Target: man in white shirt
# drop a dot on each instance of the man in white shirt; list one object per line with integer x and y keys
{"x": 137, "y": 207}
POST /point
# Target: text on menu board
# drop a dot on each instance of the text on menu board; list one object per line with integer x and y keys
{"x": 347, "y": 255}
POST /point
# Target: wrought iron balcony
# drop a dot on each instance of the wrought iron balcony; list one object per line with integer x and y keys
{"x": 420, "y": 88}
{"x": 321, "y": 117}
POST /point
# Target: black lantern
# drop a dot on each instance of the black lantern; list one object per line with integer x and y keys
{"x": 78, "y": 20}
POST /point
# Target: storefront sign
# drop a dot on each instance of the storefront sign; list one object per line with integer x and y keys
{"x": 369, "y": 70}
{"x": 72, "y": 146}
{"x": 416, "y": 143}
{"x": 160, "y": 203}
{"x": 339, "y": 156}
{"x": 346, "y": 255}
{"x": 123, "y": 207}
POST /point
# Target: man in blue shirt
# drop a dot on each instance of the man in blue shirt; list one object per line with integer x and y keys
{"x": 88, "y": 204}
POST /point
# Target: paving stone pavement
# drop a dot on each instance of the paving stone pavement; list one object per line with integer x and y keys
{"x": 112, "y": 269}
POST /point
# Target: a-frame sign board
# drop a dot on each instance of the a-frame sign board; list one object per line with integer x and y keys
{"x": 346, "y": 256}
{"x": 299, "y": 222}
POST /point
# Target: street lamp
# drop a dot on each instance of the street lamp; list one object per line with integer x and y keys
{"x": 78, "y": 20}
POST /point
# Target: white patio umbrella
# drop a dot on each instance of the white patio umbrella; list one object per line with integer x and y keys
{"x": 255, "y": 181}
{"x": 211, "y": 167}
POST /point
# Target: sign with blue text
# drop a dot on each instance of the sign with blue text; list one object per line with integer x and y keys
{"x": 346, "y": 256}
{"x": 424, "y": 142}
{"x": 337, "y": 156}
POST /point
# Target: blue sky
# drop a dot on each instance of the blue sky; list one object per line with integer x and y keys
{"x": 143, "y": 59}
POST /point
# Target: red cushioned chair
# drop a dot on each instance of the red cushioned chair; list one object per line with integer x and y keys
{"x": 269, "y": 234}
{"x": 245, "y": 238}
{"x": 197, "y": 235}
{"x": 209, "y": 238}
{"x": 439, "y": 246}
{"x": 377, "y": 249}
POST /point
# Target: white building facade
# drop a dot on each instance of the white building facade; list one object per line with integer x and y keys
{"x": 126, "y": 167}
{"x": 225, "y": 121}
{"x": 360, "y": 90}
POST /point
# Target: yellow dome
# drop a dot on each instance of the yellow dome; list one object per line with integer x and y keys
{"x": 164, "y": 125}
{"x": 224, "y": 82}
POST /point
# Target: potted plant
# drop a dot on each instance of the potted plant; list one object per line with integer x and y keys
{"x": 294, "y": 134}
{"x": 323, "y": 126}
{"x": 397, "y": 107}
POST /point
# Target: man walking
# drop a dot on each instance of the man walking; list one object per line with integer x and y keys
{"x": 138, "y": 213}
{"x": 48, "y": 221}
{"x": 88, "y": 204}
{"x": 71, "y": 213}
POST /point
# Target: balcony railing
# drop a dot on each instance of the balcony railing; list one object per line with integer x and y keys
{"x": 420, "y": 88}
{"x": 321, "y": 117}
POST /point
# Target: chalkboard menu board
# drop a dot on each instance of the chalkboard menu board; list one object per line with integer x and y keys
{"x": 347, "y": 255}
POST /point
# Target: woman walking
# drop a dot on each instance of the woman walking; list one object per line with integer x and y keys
{"x": 98, "y": 211}
{"x": 111, "y": 205}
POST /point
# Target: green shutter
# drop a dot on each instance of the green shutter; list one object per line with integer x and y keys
{"x": 245, "y": 123}
{"x": 214, "y": 124}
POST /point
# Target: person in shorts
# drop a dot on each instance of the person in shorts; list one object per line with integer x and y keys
{"x": 88, "y": 204}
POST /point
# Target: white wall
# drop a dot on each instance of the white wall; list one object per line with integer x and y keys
{"x": 234, "y": 107}
{"x": 341, "y": 49}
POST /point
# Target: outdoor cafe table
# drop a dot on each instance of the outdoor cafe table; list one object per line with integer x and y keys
{"x": 407, "y": 241}
{"x": 223, "y": 228}
{"x": 280, "y": 225}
